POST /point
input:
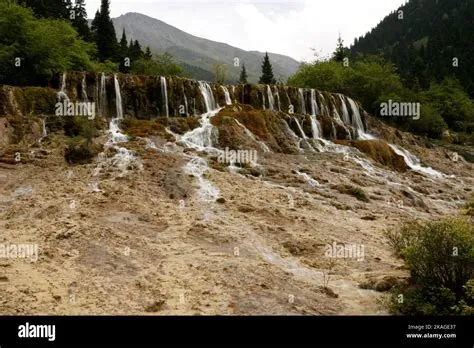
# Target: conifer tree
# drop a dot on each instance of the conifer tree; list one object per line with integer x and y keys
{"x": 80, "y": 20}
{"x": 243, "y": 75}
{"x": 341, "y": 52}
{"x": 124, "y": 66}
{"x": 104, "y": 33}
{"x": 148, "y": 55}
{"x": 267, "y": 77}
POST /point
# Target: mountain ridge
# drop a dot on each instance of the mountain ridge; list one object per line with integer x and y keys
{"x": 196, "y": 51}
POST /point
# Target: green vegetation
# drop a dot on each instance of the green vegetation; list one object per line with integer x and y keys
{"x": 39, "y": 41}
{"x": 243, "y": 76}
{"x": 440, "y": 258}
{"x": 267, "y": 77}
{"x": 357, "y": 192}
{"x": 373, "y": 81}
{"x": 160, "y": 64}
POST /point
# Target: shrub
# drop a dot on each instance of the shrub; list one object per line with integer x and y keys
{"x": 357, "y": 192}
{"x": 440, "y": 257}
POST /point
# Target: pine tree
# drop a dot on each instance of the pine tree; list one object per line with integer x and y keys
{"x": 124, "y": 66}
{"x": 148, "y": 55}
{"x": 80, "y": 20}
{"x": 104, "y": 33}
{"x": 267, "y": 77}
{"x": 135, "y": 50}
{"x": 243, "y": 75}
{"x": 341, "y": 52}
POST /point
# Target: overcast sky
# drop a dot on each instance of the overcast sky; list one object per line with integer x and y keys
{"x": 289, "y": 27}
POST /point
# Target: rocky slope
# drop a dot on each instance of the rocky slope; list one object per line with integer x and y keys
{"x": 158, "y": 224}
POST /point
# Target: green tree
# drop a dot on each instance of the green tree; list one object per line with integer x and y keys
{"x": 80, "y": 20}
{"x": 54, "y": 9}
{"x": 161, "y": 64}
{"x": 341, "y": 52}
{"x": 267, "y": 77}
{"x": 220, "y": 73}
{"x": 33, "y": 50}
{"x": 243, "y": 75}
{"x": 148, "y": 55}
{"x": 124, "y": 54}
{"x": 104, "y": 33}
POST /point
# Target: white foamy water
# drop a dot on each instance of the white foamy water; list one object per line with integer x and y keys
{"x": 302, "y": 101}
{"x": 164, "y": 95}
{"x": 315, "y": 125}
{"x": 247, "y": 131}
{"x": 345, "y": 113}
{"x": 202, "y": 138}
{"x": 103, "y": 95}
{"x": 271, "y": 100}
{"x": 62, "y": 92}
{"x": 309, "y": 179}
{"x": 123, "y": 158}
{"x": 415, "y": 164}
{"x": 278, "y": 97}
{"x": 84, "y": 88}
{"x": 356, "y": 119}
{"x": 228, "y": 101}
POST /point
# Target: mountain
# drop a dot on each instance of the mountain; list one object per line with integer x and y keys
{"x": 196, "y": 54}
{"x": 423, "y": 38}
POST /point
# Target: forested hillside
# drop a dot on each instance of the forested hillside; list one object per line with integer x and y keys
{"x": 426, "y": 40}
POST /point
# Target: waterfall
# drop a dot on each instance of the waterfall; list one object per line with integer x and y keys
{"x": 278, "y": 97}
{"x": 164, "y": 95}
{"x": 300, "y": 128}
{"x": 252, "y": 136}
{"x": 62, "y": 94}
{"x": 315, "y": 126}
{"x": 44, "y": 131}
{"x": 324, "y": 104}
{"x": 84, "y": 88}
{"x": 271, "y": 100}
{"x": 345, "y": 113}
{"x": 263, "y": 99}
{"x": 208, "y": 96}
{"x": 308, "y": 179}
{"x": 337, "y": 117}
{"x": 356, "y": 119}
{"x": 227, "y": 96}
{"x": 103, "y": 94}
{"x": 302, "y": 101}
{"x": 233, "y": 94}
{"x": 186, "y": 103}
{"x": 414, "y": 162}
{"x": 118, "y": 98}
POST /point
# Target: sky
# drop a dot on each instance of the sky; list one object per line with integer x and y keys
{"x": 296, "y": 28}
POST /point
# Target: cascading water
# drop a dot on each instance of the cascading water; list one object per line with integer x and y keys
{"x": 228, "y": 101}
{"x": 123, "y": 158}
{"x": 315, "y": 126}
{"x": 62, "y": 94}
{"x": 271, "y": 100}
{"x": 356, "y": 119}
{"x": 345, "y": 113}
{"x": 263, "y": 100}
{"x": 247, "y": 131}
{"x": 103, "y": 95}
{"x": 84, "y": 88}
{"x": 186, "y": 103}
{"x": 164, "y": 95}
{"x": 302, "y": 101}
{"x": 278, "y": 97}
{"x": 118, "y": 98}
{"x": 414, "y": 162}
